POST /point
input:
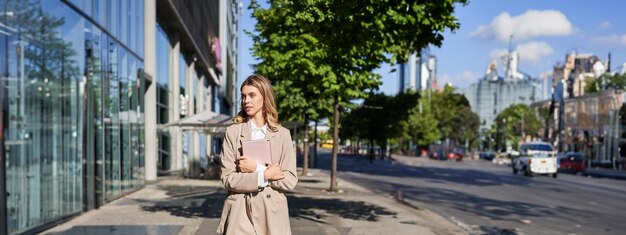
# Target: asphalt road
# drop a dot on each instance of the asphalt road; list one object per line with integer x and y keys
{"x": 486, "y": 198}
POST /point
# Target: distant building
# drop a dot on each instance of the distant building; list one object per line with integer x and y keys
{"x": 576, "y": 71}
{"x": 419, "y": 73}
{"x": 494, "y": 93}
{"x": 590, "y": 124}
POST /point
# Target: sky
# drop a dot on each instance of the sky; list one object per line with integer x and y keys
{"x": 544, "y": 32}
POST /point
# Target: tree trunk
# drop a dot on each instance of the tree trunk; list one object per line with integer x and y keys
{"x": 333, "y": 164}
{"x": 315, "y": 146}
{"x": 305, "y": 154}
{"x": 370, "y": 152}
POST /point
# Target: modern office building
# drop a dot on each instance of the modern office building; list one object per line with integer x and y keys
{"x": 419, "y": 72}
{"x": 88, "y": 88}
{"x": 494, "y": 93}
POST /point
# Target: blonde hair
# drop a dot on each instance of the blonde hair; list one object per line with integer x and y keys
{"x": 269, "y": 106}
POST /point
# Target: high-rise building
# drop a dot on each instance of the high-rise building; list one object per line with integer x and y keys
{"x": 419, "y": 73}
{"x": 494, "y": 93}
{"x": 88, "y": 90}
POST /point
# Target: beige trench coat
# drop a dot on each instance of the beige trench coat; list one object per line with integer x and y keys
{"x": 267, "y": 212}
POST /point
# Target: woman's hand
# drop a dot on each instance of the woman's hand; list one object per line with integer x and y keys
{"x": 246, "y": 164}
{"x": 274, "y": 172}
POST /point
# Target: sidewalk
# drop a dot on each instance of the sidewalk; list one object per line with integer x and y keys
{"x": 185, "y": 206}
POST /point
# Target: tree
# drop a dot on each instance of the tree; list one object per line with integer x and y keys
{"x": 515, "y": 122}
{"x": 606, "y": 81}
{"x": 422, "y": 124}
{"x": 336, "y": 45}
{"x": 466, "y": 124}
{"x": 377, "y": 119}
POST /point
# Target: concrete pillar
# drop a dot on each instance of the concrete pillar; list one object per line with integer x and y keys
{"x": 151, "y": 149}
{"x": 194, "y": 160}
{"x": 176, "y": 153}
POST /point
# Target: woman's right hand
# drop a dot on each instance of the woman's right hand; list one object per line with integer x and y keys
{"x": 274, "y": 172}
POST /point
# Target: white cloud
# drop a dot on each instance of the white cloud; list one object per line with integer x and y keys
{"x": 605, "y": 25}
{"x": 530, "y": 51}
{"x": 496, "y": 54}
{"x": 612, "y": 39}
{"x": 533, "y": 23}
{"x": 533, "y": 51}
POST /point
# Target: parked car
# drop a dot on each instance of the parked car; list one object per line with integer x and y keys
{"x": 536, "y": 158}
{"x": 489, "y": 156}
{"x": 456, "y": 154}
{"x": 571, "y": 161}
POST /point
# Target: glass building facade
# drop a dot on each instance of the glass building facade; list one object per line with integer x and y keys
{"x": 72, "y": 106}
{"x": 86, "y": 109}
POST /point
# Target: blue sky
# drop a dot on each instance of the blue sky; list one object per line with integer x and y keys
{"x": 544, "y": 32}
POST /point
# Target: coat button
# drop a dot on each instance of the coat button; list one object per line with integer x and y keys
{"x": 269, "y": 196}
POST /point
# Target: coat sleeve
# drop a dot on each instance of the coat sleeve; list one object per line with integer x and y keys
{"x": 235, "y": 181}
{"x": 288, "y": 165}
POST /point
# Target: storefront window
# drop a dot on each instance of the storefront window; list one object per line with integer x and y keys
{"x": 74, "y": 106}
{"x": 43, "y": 135}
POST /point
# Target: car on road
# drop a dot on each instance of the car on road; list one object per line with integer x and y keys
{"x": 536, "y": 158}
{"x": 489, "y": 156}
{"x": 456, "y": 154}
{"x": 571, "y": 161}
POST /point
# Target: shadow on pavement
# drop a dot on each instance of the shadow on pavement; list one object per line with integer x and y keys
{"x": 207, "y": 202}
{"x": 202, "y": 205}
{"x": 306, "y": 208}
{"x": 492, "y": 209}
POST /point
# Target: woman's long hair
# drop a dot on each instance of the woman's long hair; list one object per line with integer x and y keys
{"x": 269, "y": 106}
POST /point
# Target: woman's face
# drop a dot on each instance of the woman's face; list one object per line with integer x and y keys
{"x": 252, "y": 101}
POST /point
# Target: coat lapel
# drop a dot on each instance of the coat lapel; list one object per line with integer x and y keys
{"x": 245, "y": 131}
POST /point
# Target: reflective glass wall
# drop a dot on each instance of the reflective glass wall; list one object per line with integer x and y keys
{"x": 72, "y": 73}
{"x": 163, "y": 96}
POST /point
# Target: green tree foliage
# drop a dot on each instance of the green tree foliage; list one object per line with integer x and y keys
{"x": 606, "y": 81}
{"x": 456, "y": 120}
{"x": 332, "y": 47}
{"x": 376, "y": 120}
{"x": 511, "y": 120}
{"x": 466, "y": 124}
{"x": 423, "y": 126}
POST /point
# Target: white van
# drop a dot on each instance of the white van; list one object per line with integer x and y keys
{"x": 536, "y": 158}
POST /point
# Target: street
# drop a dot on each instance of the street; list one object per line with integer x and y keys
{"x": 486, "y": 198}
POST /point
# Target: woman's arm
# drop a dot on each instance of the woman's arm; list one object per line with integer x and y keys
{"x": 235, "y": 181}
{"x": 288, "y": 165}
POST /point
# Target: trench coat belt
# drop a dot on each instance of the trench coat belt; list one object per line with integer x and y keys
{"x": 248, "y": 197}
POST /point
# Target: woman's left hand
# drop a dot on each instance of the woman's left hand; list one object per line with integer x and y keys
{"x": 246, "y": 164}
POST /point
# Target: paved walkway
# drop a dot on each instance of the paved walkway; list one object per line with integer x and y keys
{"x": 185, "y": 206}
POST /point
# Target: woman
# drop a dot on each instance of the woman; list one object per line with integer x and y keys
{"x": 256, "y": 203}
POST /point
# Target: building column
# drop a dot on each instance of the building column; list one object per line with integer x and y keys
{"x": 151, "y": 145}
{"x": 193, "y": 151}
{"x": 176, "y": 146}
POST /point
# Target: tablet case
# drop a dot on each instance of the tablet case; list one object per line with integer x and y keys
{"x": 259, "y": 150}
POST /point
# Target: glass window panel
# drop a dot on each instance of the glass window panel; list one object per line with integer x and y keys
{"x": 134, "y": 121}
{"x": 100, "y": 12}
{"x": 124, "y": 121}
{"x": 42, "y": 138}
{"x": 141, "y": 126}
{"x": 132, "y": 26}
{"x": 112, "y": 124}
{"x": 140, "y": 27}
{"x": 113, "y": 18}
{"x": 123, "y": 20}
